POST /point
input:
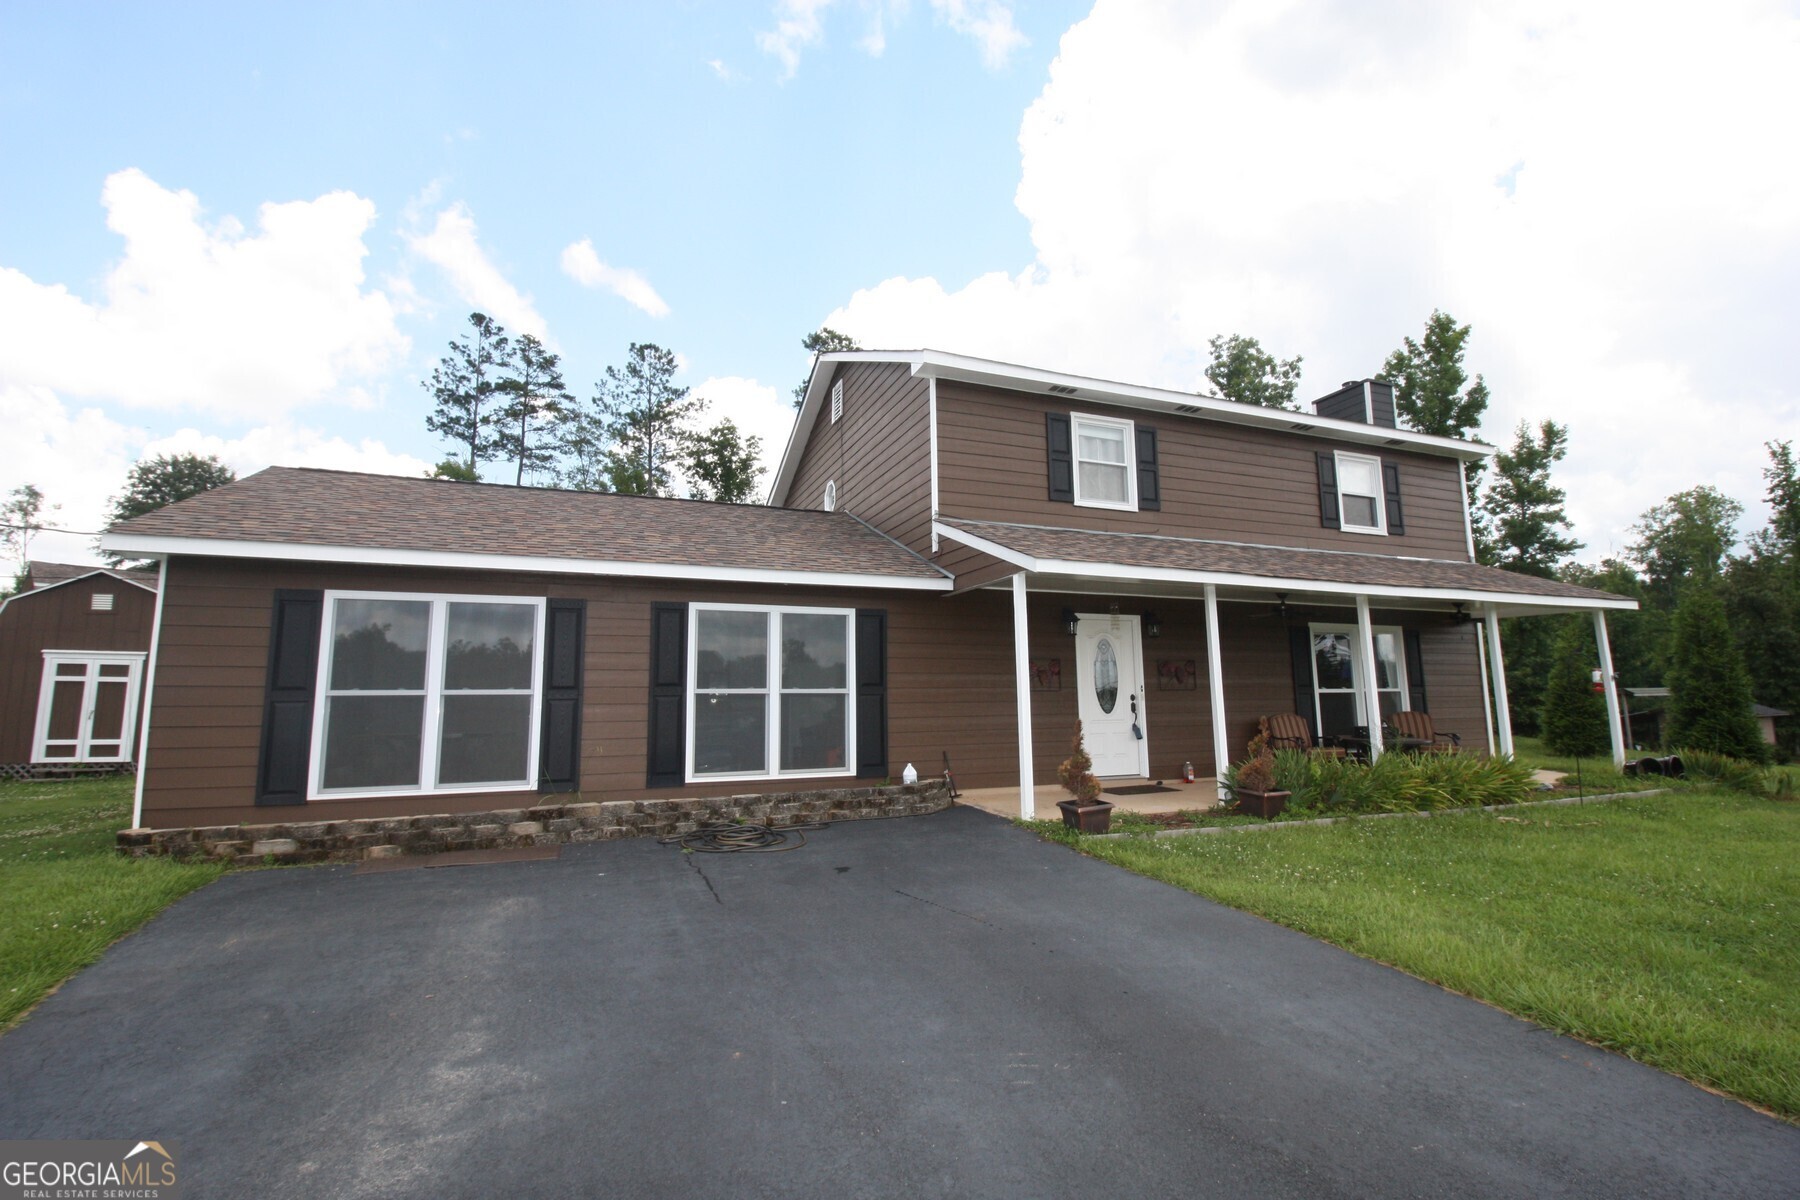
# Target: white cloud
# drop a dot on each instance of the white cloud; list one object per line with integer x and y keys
{"x": 580, "y": 263}
{"x": 1592, "y": 187}
{"x": 454, "y": 245}
{"x": 758, "y": 409}
{"x": 208, "y": 317}
{"x": 988, "y": 22}
{"x": 797, "y": 25}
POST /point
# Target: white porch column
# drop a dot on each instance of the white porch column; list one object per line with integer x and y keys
{"x": 1022, "y": 680}
{"x": 1613, "y": 724}
{"x": 1365, "y": 653}
{"x": 1497, "y": 661}
{"x": 1215, "y": 683}
{"x": 1487, "y": 696}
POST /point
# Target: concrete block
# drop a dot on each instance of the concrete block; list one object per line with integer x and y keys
{"x": 275, "y": 846}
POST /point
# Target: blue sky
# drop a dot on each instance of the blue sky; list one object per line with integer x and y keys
{"x": 1099, "y": 191}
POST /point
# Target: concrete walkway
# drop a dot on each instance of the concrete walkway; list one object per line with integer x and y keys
{"x": 936, "y": 1006}
{"x": 1004, "y": 801}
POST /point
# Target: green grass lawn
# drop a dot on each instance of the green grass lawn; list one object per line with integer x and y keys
{"x": 1666, "y": 927}
{"x": 65, "y": 895}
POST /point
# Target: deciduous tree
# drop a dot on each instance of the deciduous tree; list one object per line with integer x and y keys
{"x": 721, "y": 464}
{"x": 1686, "y": 537}
{"x": 1243, "y": 371}
{"x": 160, "y": 481}
{"x": 21, "y": 517}
{"x": 466, "y": 386}
{"x": 1431, "y": 387}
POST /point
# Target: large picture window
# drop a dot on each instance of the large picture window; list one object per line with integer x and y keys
{"x": 771, "y": 691}
{"x": 1360, "y": 497}
{"x": 1104, "y": 470}
{"x": 1337, "y": 677}
{"x": 427, "y": 693}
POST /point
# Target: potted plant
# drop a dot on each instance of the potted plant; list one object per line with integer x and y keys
{"x": 1254, "y": 789}
{"x": 1086, "y": 812}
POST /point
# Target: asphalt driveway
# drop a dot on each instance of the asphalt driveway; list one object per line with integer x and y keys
{"x": 941, "y": 1006}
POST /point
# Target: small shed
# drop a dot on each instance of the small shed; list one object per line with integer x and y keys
{"x": 1649, "y": 706}
{"x": 72, "y": 647}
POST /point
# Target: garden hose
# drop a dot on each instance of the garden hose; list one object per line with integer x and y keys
{"x": 731, "y": 838}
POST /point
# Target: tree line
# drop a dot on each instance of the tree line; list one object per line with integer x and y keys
{"x": 503, "y": 400}
{"x": 1718, "y": 623}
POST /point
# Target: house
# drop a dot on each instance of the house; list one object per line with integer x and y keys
{"x": 958, "y": 558}
{"x": 1648, "y": 709}
{"x": 73, "y": 642}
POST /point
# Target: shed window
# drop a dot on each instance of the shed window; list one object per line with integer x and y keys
{"x": 772, "y": 692}
{"x": 1360, "y": 505}
{"x": 427, "y": 693}
{"x": 1103, "y": 462}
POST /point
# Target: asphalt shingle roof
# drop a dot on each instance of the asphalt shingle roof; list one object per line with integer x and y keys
{"x": 303, "y": 506}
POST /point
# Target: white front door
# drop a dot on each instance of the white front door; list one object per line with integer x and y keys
{"x": 87, "y": 707}
{"x": 1110, "y": 677}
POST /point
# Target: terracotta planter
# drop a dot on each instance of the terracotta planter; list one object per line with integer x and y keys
{"x": 1095, "y": 817}
{"x": 1267, "y": 805}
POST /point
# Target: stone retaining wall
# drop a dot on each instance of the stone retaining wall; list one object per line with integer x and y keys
{"x": 385, "y": 837}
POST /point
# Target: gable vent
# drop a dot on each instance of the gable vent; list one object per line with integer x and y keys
{"x": 102, "y": 602}
{"x": 1189, "y": 409}
{"x": 1059, "y": 389}
{"x": 1395, "y": 442}
{"x": 1301, "y": 428}
{"x": 837, "y": 401}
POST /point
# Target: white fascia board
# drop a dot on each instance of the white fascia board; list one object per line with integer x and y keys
{"x": 818, "y": 384}
{"x": 453, "y": 560}
{"x": 51, "y": 587}
{"x": 1130, "y": 395}
{"x": 1115, "y": 571}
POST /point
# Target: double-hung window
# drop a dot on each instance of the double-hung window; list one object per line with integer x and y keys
{"x": 771, "y": 691}
{"x": 1360, "y": 497}
{"x": 427, "y": 694}
{"x": 1337, "y": 677}
{"x": 1104, "y": 470}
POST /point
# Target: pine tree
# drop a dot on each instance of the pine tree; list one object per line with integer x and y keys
{"x": 635, "y": 431}
{"x": 536, "y": 405}
{"x": 825, "y": 340}
{"x": 1525, "y": 508}
{"x": 466, "y": 386}
{"x": 1709, "y": 688}
{"x": 1429, "y": 387}
{"x": 1574, "y": 717}
{"x": 1243, "y": 371}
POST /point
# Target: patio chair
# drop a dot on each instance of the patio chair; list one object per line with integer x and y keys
{"x": 1289, "y": 731}
{"x": 1414, "y": 731}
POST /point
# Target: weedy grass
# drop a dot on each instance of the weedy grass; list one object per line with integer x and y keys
{"x": 1665, "y": 927}
{"x": 65, "y": 893}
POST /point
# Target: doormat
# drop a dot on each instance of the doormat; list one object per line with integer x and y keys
{"x": 458, "y": 858}
{"x": 1142, "y": 789}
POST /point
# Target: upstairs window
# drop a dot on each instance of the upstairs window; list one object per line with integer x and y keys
{"x": 1361, "y": 504}
{"x": 1104, "y": 468}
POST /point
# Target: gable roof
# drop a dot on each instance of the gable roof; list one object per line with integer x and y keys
{"x": 1157, "y": 557}
{"x": 49, "y": 574}
{"x": 1084, "y": 389}
{"x": 343, "y": 516}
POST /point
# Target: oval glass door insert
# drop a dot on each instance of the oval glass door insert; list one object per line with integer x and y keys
{"x": 1106, "y": 675}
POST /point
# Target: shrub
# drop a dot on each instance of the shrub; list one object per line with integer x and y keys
{"x": 1077, "y": 772}
{"x": 1399, "y": 782}
{"x": 1704, "y": 766}
{"x": 1709, "y": 689}
{"x": 1574, "y": 718}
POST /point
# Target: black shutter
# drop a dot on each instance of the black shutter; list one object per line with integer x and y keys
{"x": 1300, "y": 652}
{"x": 1062, "y": 457}
{"x": 871, "y": 693}
{"x": 286, "y": 752}
{"x": 559, "y": 749}
{"x": 667, "y": 765}
{"x": 1328, "y": 496}
{"x": 1148, "y": 487}
{"x": 1415, "y": 672}
{"x": 1390, "y": 480}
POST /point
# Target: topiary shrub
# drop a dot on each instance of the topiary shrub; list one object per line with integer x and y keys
{"x": 1077, "y": 772}
{"x": 1709, "y": 689}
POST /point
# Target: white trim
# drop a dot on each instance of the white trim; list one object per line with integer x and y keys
{"x": 1369, "y": 405}
{"x": 1215, "y": 684}
{"x": 1497, "y": 664}
{"x": 143, "y": 762}
{"x": 829, "y": 500}
{"x": 458, "y": 560}
{"x": 431, "y": 720}
{"x": 1339, "y": 457}
{"x": 1022, "y": 694}
{"x": 772, "y": 691}
{"x": 90, "y": 680}
{"x": 1610, "y": 682}
{"x": 932, "y": 434}
{"x": 1371, "y": 680}
{"x": 1487, "y": 696}
{"x": 1128, "y": 440}
{"x": 1139, "y": 696}
{"x": 1462, "y": 486}
{"x": 1360, "y": 676}
{"x": 1105, "y": 570}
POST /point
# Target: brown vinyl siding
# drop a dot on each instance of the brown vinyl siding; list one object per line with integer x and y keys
{"x": 1218, "y": 480}
{"x": 61, "y": 618}
{"x": 879, "y": 453}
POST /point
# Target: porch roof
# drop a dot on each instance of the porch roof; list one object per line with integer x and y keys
{"x": 1156, "y": 558}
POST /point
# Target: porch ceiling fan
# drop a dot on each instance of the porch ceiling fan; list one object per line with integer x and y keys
{"x": 1281, "y": 605}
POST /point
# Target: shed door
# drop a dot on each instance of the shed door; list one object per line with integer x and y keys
{"x": 87, "y": 707}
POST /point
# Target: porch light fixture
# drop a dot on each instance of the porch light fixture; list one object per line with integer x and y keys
{"x": 1281, "y": 609}
{"x": 1461, "y": 615}
{"x": 1068, "y": 616}
{"x": 1152, "y": 625}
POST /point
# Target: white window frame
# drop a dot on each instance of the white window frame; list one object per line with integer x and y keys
{"x": 90, "y": 680}
{"x": 431, "y": 733}
{"x": 1076, "y": 421}
{"x": 1379, "y": 529}
{"x": 829, "y": 501}
{"x": 772, "y": 691}
{"x": 1402, "y": 703}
